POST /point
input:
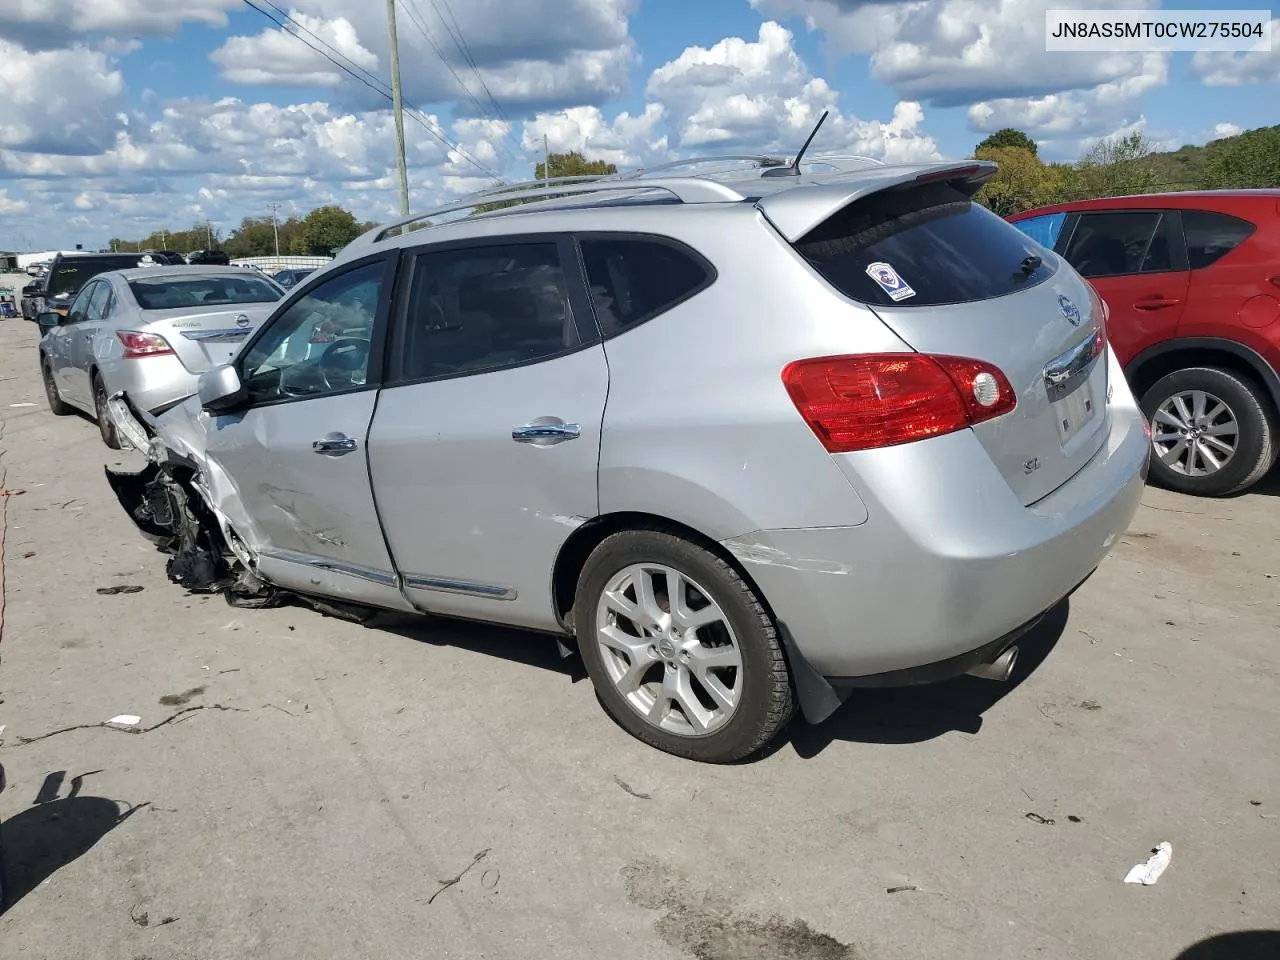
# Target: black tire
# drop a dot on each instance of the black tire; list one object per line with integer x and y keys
{"x": 766, "y": 701}
{"x": 1255, "y": 451}
{"x": 105, "y": 427}
{"x": 57, "y": 406}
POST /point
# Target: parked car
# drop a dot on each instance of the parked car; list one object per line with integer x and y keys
{"x": 166, "y": 258}
{"x": 207, "y": 258}
{"x": 1193, "y": 284}
{"x": 290, "y": 277}
{"x": 33, "y": 298}
{"x": 147, "y": 333}
{"x": 781, "y": 438}
{"x": 69, "y": 272}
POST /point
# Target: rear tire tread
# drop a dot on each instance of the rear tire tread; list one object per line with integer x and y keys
{"x": 57, "y": 406}
{"x": 105, "y": 427}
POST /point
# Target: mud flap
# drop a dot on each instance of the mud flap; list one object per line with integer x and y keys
{"x": 818, "y": 699}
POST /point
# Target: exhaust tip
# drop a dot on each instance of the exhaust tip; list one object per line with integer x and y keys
{"x": 1001, "y": 668}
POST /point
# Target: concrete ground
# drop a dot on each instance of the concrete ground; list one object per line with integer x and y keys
{"x": 306, "y": 788}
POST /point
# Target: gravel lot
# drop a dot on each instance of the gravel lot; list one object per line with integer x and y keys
{"x": 326, "y": 781}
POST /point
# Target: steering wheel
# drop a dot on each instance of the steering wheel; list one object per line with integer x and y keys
{"x": 344, "y": 364}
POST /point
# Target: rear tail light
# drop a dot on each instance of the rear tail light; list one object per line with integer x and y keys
{"x": 881, "y": 400}
{"x": 138, "y": 345}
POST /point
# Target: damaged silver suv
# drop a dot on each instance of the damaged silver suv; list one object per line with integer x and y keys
{"x": 748, "y": 438}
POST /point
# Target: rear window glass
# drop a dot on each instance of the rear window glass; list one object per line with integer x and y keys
{"x": 923, "y": 247}
{"x": 634, "y": 280}
{"x": 177, "y": 293}
{"x": 68, "y": 276}
{"x": 1211, "y": 236}
{"x": 1128, "y": 242}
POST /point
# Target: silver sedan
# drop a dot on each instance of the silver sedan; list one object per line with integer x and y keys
{"x": 148, "y": 333}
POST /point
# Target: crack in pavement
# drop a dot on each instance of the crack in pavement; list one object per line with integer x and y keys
{"x": 23, "y": 741}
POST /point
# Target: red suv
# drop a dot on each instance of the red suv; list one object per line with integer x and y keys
{"x": 1192, "y": 281}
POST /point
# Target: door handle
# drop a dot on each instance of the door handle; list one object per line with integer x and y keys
{"x": 335, "y": 445}
{"x": 546, "y": 432}
{"x": 1156, "y": 303}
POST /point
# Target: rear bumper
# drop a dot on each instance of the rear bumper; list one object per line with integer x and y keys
{"x": 151, "y": 383}
{"x": 949, "y": 563}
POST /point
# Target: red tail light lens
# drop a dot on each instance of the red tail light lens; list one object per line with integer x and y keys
{"x": 881, "y": 400}
{"x": 138, "y": 345}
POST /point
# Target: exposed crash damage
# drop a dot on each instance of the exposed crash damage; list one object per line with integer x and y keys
{"x": 169, "y": 504}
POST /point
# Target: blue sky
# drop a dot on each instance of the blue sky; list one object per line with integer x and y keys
{"x": 127, "y": 115}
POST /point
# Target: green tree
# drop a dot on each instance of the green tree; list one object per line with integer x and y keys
{"x": 571, "y": 164}
{"x": 324, "y": 230}
{"x": 255, "y": 237}
{"x": 1246, "y": 161}
{"x": 1021, "y": 182}
{"x": 1117, "y": 167}
{"x": 1005, "y": 138}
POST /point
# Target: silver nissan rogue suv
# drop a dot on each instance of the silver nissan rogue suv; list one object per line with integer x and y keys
{"x": 752, "y": 436}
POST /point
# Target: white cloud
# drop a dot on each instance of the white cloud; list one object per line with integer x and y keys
{"x": 275, "y": 57}
{"x": 1238, "y": 69}
{"x": 959, "y": 52}
{"x": 8, "y": 206}
{"x": 537, "y": 52}
{"x": 1222, "y": 130}
{"x": 58, "y": 101}
{"x": 47, "y": 24}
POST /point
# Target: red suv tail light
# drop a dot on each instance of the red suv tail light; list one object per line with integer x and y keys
{"x": 138, "y": 345}
{"x": 880, "y": 400}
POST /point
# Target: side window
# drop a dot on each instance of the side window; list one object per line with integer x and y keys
{"x": 634, "y": 280}
{"x": 1043, "y": 229}
{"x": 483, "y": 308}
{"x": 78, "y": 312}
{"x": 321, "y": 343}
{"x": 1211, "y": 236}
{"x": 98, "y": 301}
{"x": 1160, "y": 256}
{"x": 1112, "y": 244}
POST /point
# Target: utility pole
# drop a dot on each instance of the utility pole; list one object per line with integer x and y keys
{"x": 275, "y": 225}
{"x": 397, "y": 107}
{"x": 546, "y": 161}
{"x": 208, "y": 226}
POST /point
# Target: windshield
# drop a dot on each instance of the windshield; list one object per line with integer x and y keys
{"x": 175, "y": 293}
{"x": 70, "y": 275}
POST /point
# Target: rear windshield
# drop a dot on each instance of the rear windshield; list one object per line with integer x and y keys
{"x": 68, "y": 276}
{"x": 923, "y": 247}
{"x": 175, "y": 293}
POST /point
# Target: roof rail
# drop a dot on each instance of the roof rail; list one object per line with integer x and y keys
{"x": 725, "y": 158}
{"x": 682, "y": 189}
{"x": 845, "y": 163}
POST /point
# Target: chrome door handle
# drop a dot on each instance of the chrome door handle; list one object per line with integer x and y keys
{"x": 335, "y": 445}
{"x": 546, "y": 433}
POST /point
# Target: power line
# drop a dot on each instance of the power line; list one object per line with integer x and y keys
{"x": 415, "y": 15}
{"x": 379, "y": 87}
{"x": 456, "y": 34}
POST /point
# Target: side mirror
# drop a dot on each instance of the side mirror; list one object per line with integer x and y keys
{"x": 47, "y": 321}
{"x": 220, "y": 389}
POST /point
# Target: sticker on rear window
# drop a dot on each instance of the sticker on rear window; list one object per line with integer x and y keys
{"x": 890, "y": 282}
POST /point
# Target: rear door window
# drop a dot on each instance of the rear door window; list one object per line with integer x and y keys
{"x": 921, "y": 247}
{"x": 1125, "y": 242}
{"x": 633, "y": 279}
{"x": 1211, "y": 236}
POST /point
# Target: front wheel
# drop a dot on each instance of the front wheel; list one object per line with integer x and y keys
{"x": 680, "y": 649}
{"x": 1212, "y": 432}
{"x": 106, "y": 426}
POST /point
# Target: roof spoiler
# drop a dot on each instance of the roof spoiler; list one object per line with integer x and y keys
{"x": 794, "y": 213}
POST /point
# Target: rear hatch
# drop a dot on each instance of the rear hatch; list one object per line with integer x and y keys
{"x": 205, "y": 337}
{"x": 962, "y": 282}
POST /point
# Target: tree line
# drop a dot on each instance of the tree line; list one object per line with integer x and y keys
{"x": 320, "y": 233}
{"x": 1123, "y": 166}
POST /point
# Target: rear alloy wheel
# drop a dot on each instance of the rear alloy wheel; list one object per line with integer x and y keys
{"x": 1212, "y": 432}
{"x": 105, "y": 425}
{"x": 680, "y": 650}
{"x": 57, "y": 405}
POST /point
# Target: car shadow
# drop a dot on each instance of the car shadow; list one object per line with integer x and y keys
{"x": 901, "y": 715}
{"x": 898, "y": 715}
{"x": 1241, "y": 945}
{"x": 53, "y": 833}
